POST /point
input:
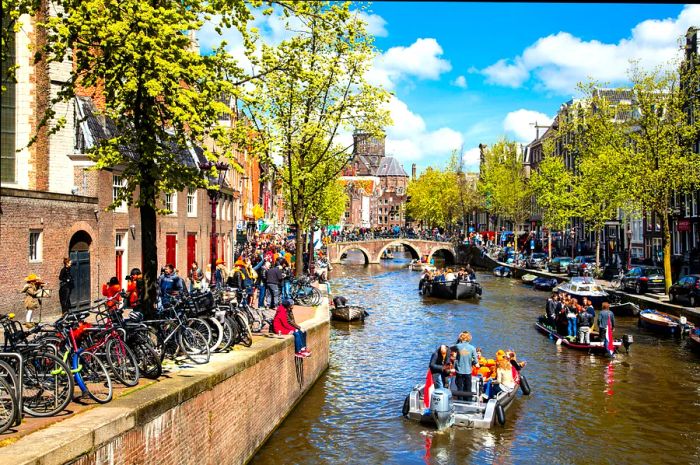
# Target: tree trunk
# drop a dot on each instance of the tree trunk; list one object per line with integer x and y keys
{"x": 149, "y": 257}
{"x": 549, "y": 244}
{"x": 667, "y": 250}
{"x": 597, "y": 249}
{"x": 299, "y": 251}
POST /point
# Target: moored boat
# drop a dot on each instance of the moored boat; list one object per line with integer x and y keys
{"x": 455, "y": 289}
{"x": 663, "y": 323}
{"x": 596, "y": 346}
{"x": 467, "y": 409}
{"x": 694, "y": 338}
{"x": 349, "y": 313}
{"x": 544, "y": 284}
{"x": 415, "y": 265}
{"x": 528, "y": 278}
{"x": 387, "y": 255}
{"x": 502, "y": 271}
{"x": 580, "y": 287}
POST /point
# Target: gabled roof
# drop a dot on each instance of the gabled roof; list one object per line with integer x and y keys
{"x": 389, "y": 166}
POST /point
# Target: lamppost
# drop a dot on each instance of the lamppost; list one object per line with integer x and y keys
{"x": 312, "y": 229}
{"x": 629, "y": 248}
{"x": 214, "y": 195}
{"x": 572, "y": 236}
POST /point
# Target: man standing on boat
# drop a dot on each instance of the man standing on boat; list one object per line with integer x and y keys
{"x": 606, "y": 326}
{"x": 466, "y": 358}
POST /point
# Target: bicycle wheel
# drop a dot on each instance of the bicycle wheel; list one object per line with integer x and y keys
{"x": 226, "y": 335}
{"x": 94, "y": 377}
{"x": 122, "y": 361}
{"x": 216, "y": 333}
{"x": 202, "y": 327}
{"x": 8, "y": 405}
{"x": 47, "y": 384}
{"x": 149, "y": 359}
{"x": 235, "y": 330}
{"x": 246, "y": 338}
{"x": 315, "y": 297}
{"x": 193, "y": 344}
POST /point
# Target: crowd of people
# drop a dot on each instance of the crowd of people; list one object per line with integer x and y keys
{"x": 395, "y": 232}
{"x": 465, "y": 273}
{"x": 577, "y": 321}
{"x": 453, "y": 368}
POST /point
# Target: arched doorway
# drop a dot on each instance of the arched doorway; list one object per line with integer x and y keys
{"x": 79, "y": 248}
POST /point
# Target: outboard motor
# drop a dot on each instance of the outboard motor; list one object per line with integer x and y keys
{"x": 627, "y": 341}
{"x": 442, "y": 409}
{"x": 685, "y": 327}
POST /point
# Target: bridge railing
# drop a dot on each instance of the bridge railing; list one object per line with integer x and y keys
{"x": 368, "y": 236}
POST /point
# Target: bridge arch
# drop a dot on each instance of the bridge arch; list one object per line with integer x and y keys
{"x": 415, "y": 252}
{"x": 444, "y": 248}
{"x": 352, "y": 246}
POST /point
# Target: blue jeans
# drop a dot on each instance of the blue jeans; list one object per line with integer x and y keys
{"x": 437, "y": 381}
{"x": 286, "y": 287}
{"x": 274, "y": 290}
{"x": 261, "y": 295}
{"x": 573, "y": 331}
{"x": 299, "y": 341}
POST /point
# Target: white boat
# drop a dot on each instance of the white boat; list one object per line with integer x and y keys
{"x": 581, "y": 287}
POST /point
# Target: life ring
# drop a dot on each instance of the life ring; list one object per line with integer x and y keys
{"x": 406, "y": 406}
{"x": 524, "y": 386}
{"x": 500, "y": 415}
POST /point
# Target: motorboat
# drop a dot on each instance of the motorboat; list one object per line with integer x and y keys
{"x": 449, "y": 407}
{"x": 502, "y": 272}
{"x": 596, "y": 346}
{"x": 528, "y": 278}
{"x": 664, "y": 323}
{"x": 544, "y": 284}
{"x": 415, "y": 265}
{"x": 349, "y": 313}
{"x": 387, "y": 255}
{"x": 454, "y": 289}
{"x": 580, "y": 287}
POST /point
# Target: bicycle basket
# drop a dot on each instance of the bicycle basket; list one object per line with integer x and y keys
{"x": 13, "y": 331}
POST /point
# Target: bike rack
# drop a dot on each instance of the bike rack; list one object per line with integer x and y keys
{"x": 18, "y": 385}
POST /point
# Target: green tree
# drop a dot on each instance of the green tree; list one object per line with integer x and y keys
{"x": 465, "y": 195}
{"x": 161, "y": 95}
{"x": 432, "y": 198}
{"x": 318, "y": 90}
{"x": 663, "y": 135}
{"x": 594, "y": 130}
{"x": 502, "y": 183}
{"x": 331, "y": 204}
{"x": 551, "y": 186}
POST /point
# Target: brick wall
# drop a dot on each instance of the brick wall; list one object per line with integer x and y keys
{"x": 213, "y": 414}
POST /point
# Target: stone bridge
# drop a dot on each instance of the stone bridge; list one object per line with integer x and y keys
{"x": 374, "y": 248}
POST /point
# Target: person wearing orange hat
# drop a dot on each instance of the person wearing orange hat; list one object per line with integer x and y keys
{"x": 220, "y": 273}
{"x": 32, "y": 301}
{"x": 240, "y": 279}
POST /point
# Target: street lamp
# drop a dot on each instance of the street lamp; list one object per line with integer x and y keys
{"x": 629, "y": 248}
{"x": 572, "y": 235}
{"x": 214, "y": 196}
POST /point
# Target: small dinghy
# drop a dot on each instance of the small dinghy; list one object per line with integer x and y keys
{"x": 502, "y": 272}
{"x": 528, "y": 278}
{"x": 663, "y": 323}
{"x": 544, "y": 284}
{"x": 625, "y": 309}
{"x": 349, "y": 313}
{"x": 415, "y": 265}
{"x": 467, "y": 409}
{"x": 596, "y": 346}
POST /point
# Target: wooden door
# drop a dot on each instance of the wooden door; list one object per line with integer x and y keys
{"x": 118, "y": 265}
{"x": 191, "y": 249}
{"x": 171, "y": 249}
{"x": 80, "y": 297}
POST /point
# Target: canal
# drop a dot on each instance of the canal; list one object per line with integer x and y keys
{"x": 641, "y": 408}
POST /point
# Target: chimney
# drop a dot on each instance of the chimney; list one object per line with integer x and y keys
{"x": 413, "y": 172}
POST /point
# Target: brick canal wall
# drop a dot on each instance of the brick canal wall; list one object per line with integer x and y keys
{"x": 219, "y": 413}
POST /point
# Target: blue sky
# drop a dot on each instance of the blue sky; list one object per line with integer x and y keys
{"x": 469, "y": 73}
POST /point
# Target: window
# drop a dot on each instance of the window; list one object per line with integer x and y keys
{"x": 695, "y": 200}
{"x": 35, "y": 246}
{"x": 688, "y": 200}
{"x": 399, "y": 190}
{"x": 118, "y": 241}
{"x": 7, "y": 104}
{"x": 191, "y": 202}
{"x": 347, "y": 215}
{"x": 117, "y": 184}
{"x": 171, "y": 202}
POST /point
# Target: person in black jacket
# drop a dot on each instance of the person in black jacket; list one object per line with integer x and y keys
{"x": 275, "y": 278}
{"x": 585, "y": 321}
{"x": 65, "y": 279}
{"x": 439, "y": 366}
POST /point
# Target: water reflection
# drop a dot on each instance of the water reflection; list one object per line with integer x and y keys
{"x": 639, "y": 408}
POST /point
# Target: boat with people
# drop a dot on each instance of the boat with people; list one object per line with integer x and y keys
{"x": 580, "y": 287}
{"x": 502, "y": 271}
{"x": 596, "y": 346}
{"x": 663, "y": 323}
{"x": 455, "y": 289}
{"x": 387, "y": 255}
{"x": 544, "y": 284}
{"x": 446, "y": 407}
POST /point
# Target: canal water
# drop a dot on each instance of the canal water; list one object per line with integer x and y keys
{"x": 641, "y": 408}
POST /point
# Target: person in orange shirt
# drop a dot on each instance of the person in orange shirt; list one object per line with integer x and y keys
{"x": 111, "y": 290}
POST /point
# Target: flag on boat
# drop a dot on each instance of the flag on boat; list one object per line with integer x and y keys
{"x": 428, "y": 391}
{"x": 609, "y": 337}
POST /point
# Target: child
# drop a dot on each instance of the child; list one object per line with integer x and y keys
{"x": 111, "y": 290}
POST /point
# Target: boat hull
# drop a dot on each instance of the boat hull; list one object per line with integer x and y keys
{"x": 502, "y": 272}
{"x": 458, "y": 290}
{"x": 348, "y": 313}
{"x": 596, "y": 347}
{"x": 694, "y": 338}
{"x": 663, "y": 323}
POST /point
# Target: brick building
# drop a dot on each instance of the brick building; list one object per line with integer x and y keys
{"x": 53, "y": 204}
{"x": 376, "y": 185}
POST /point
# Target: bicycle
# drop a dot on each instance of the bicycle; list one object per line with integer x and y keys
{"x": 616, "y": 282}
{"x": 10, "y": 392}
{"x": 173, "y": 334}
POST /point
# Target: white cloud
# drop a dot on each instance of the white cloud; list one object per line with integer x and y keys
{"x": 520, "y": 124}
{"x": 421, "y": 59}
{"x": 471, "y": 159}
{"x": 557, "y": 62}
{"x": 375, "y": 23}
{"x": 461, "y": 81}
{"x": 408, "y": 139}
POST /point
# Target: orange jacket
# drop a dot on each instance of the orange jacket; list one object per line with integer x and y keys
{"x": 111, "y": 291}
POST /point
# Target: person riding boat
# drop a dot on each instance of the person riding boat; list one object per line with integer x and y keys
{"x": 585, "y": 321}
{"x": 465, "y": 359}
{"x": 439, "y": 366}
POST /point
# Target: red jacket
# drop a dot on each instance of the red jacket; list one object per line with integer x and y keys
{"x": 282, "y": 323}
{"x": 110, "y": 291}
